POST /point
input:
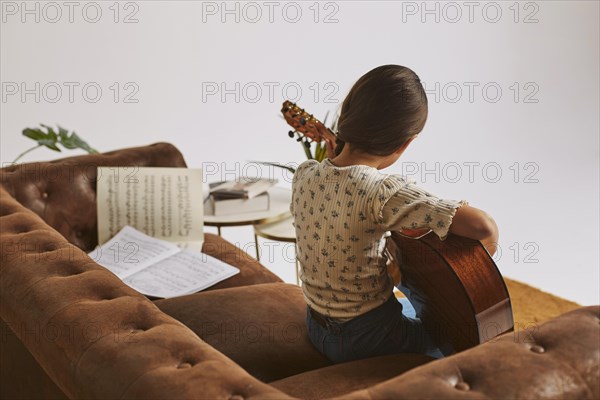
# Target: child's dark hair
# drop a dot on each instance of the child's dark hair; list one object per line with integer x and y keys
{"x": 385, "y": 108}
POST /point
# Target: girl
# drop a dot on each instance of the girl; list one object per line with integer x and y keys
{"x": 343, "y": 208}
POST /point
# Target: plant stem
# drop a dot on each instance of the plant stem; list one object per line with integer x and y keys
{"x": 25, "y": 152}
{"x": 318, "y": 152}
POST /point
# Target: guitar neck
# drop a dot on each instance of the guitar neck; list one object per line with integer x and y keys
{"x": 306, "y": 123}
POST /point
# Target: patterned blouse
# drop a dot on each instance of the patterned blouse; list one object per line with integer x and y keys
{"x": 341, "y": 215}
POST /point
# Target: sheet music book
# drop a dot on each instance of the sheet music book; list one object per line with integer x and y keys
{"x": 157, "y": 267}
{"x": 164, "y": 203}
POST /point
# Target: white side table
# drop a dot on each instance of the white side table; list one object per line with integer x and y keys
{"x": 279, "y": 208}
{"x": 282, "y": 231}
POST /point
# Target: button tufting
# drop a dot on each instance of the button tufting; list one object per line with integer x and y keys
{"x": 462, "y": 386}
{"x": 45, "y": 195}
{"x": 536, "y": 348}
{"x": 184, "y": 365}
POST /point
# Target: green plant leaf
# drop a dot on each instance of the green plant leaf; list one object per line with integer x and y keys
{"x": 47, "y": 139}
{"x": 73, "y": 141}
{"x": 51, "y": 139}
{"x": 34, "y": 134}
{"x": 62, "y": 131}
{"x": 51, "y": 135}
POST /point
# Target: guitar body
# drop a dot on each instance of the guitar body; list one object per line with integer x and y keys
{"x": 465, "y": 300}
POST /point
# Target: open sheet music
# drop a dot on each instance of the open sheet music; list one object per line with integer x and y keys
{"x": 165, "y": 203}
{"x": 159, "y": 268}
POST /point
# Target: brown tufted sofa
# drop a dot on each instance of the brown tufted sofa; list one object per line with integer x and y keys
{"x": 71, "y": 329}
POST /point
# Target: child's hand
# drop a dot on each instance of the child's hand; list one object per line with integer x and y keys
{"x": 328, "y": 137}
{"x": 330, "y": 146}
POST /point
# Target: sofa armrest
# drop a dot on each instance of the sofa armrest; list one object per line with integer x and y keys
{"x": 559, "y": 359}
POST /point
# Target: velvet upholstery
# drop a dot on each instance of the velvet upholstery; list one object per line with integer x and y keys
{"x": 262, "y": 329}
{"x": 73, "y": 329}
{"x": 339, "y": 379}
{"x": 558, "y": 359}
{"x": 21, "y": 376}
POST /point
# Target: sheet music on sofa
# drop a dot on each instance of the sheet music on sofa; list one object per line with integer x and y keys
{"x": 164, "y": 203}
{"x": 159, "y": 268}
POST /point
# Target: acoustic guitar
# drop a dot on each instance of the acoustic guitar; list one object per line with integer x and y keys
{"x": 465, "y": 301}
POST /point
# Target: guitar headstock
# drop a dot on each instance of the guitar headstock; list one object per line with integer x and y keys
{"x": 304, "y": 122}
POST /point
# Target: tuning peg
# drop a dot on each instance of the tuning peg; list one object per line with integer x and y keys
{"x": 299, "y": 139}
{"x": 307, "y": 144}
{"x": 291, "y": 134}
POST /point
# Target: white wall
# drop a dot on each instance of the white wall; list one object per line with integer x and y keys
{"x": 548, "y": 134}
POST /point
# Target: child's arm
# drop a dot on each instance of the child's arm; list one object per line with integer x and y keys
{"x": 411, "y": 210}
{"x": 476, "y": 224}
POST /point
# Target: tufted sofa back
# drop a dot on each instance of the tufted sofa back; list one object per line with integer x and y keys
{"x": 63, "y": 192}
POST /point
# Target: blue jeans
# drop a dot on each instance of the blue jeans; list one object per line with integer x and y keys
{"x": 381, "y": 331}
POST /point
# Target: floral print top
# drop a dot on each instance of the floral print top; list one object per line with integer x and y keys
{"x": 341, "y": 216}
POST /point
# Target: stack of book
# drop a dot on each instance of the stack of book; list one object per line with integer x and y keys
{"x": 243, "y": 195}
